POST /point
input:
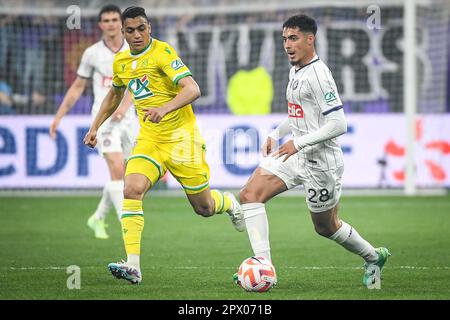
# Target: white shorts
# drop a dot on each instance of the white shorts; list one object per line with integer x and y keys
{"x": 322, "y": 188}
{"x": 115, "y": 137}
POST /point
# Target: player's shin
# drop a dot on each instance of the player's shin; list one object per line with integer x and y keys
{"x": 132, "y": 227}
{"x": 350, "y": 239}
{"x": 257, "y": 228}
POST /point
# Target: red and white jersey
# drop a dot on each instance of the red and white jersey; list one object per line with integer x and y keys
{"x": 97, "y": 63}
{"x": 311, "y": 95}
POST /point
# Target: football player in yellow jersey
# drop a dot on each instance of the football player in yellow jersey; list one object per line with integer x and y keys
{"x": 163, "y": 89}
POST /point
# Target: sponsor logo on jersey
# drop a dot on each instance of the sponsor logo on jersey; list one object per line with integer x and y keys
{"x": 295, "y": 110}
{"x": 330, "y": 97}
{"x": 177, "y": 64}
{"x": 107, "y": 82}
{"x": 140, "y": 87}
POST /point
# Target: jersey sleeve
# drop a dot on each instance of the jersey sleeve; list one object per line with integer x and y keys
{"x": 335, "y": 125}
{"x": 172, "y": 65}
{"x": 86, "y": 68}
{"x": 324, "y": 90}
{"x": 116, "y": 81}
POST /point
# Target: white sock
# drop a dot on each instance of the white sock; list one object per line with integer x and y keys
{"x": 257, "y": 228}
{"x": 115, "y": 191}
{"x": 350, "y": 239}
{"x": 103, "y": 205}
{"x": 134, "y": 260}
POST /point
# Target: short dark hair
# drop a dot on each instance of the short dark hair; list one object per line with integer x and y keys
{"x": 133, "y": 12}
{"x": 303, "y": 22}
{"x": 109, "y": 8}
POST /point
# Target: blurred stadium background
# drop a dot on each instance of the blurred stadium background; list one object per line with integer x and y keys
{"x": 391, "y": 62}
{"x": 235, "y": 51}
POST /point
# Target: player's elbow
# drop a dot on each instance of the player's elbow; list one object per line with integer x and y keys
{"x": 339, "y": 130}
{"x": 79, "y": 84}
{"x": 190, "y": 88}
{"x": 339, "y": 126}
{"x": 343, "y": 127}
{"x": 196, "y": 93}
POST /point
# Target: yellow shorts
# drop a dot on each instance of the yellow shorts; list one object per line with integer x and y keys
{"x": 185, "y": 160}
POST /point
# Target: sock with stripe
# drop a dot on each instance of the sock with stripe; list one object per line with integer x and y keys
{"x": 350, "y": 239}
{"x": 132, "y": 227}
{"x": 222, "y": 203}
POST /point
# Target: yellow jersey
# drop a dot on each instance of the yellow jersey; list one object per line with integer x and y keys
{"x": 152, "y": 76}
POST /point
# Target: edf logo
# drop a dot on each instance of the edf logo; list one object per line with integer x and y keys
{"x": 35, "y": 156}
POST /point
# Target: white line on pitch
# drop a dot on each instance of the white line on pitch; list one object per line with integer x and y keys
{"x": 226, "y": 268}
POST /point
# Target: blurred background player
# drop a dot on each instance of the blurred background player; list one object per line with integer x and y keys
{"x": 115, "y": 135}
{"x": 313, "y": 158}
{"x": 163, "y": 90}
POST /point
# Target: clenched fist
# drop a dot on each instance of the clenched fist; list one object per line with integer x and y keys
{"x": 90, "y": 139}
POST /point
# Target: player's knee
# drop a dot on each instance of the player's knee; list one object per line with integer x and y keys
{"x": 119, "y": 169}
{"x": 204, "y": 210}
{"x": 248, "y": 195}
{"x": 131, "y": 191}
{"x": 117, "y": 173}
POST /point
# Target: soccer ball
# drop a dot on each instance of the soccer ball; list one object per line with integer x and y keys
{"x": 256, "y": 274}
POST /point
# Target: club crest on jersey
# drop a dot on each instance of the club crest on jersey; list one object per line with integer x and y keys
{"x": 177, "y": 64}
{"x": 295, "y": 110}
{"x": 139, "y": 88}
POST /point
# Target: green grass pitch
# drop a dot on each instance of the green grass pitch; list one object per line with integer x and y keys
{"x": 185, "y": 256}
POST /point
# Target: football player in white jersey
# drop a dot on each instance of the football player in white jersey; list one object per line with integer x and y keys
{"x": 115, "y": 136}
{"x": 312, "y": 158}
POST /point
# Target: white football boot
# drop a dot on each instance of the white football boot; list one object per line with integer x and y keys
{"x": 235, "y": 212}
{"x": 123, "y": 270}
